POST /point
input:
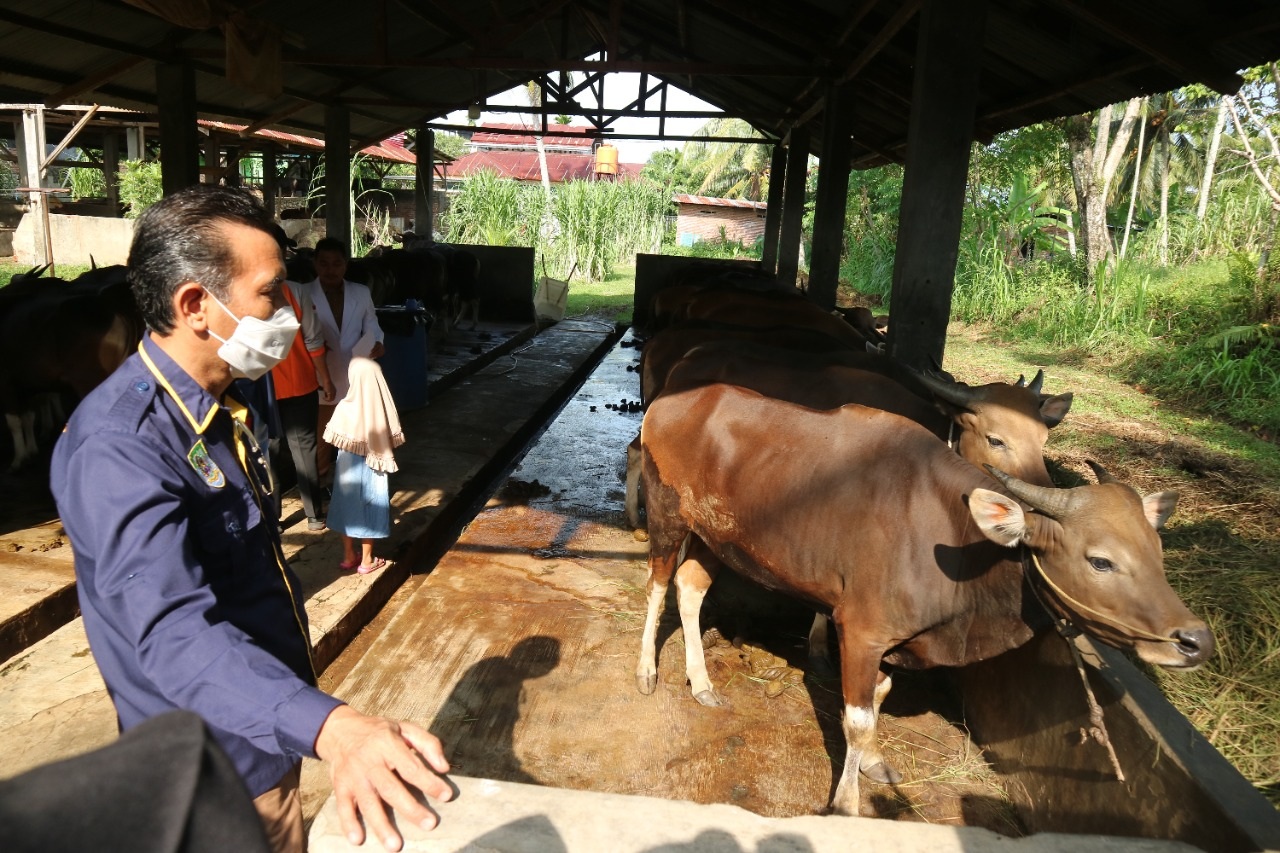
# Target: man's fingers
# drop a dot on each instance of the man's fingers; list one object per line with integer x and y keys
{"x": 375, "y": 817}
{"x": 411, "y": 769}
{"x": 350, "y": 821}
{"x": 427, "y": 745}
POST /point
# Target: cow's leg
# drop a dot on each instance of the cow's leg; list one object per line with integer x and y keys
{"x": 693, "y": 579}
{"x": 633, "y": 482}
{"x": 662, "y": 564}
{"x": 22, "y": 429}
{"x": 819, "y": 650}
{"x": 873, "y": 763}
{"x": 859, "y": 670}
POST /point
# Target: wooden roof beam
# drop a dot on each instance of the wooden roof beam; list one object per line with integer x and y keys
{"x": 516, "y": 63}
{"x": 847, "y": 29}
{"x": 1174, "y": 53}
{"x": 93, "y": 81}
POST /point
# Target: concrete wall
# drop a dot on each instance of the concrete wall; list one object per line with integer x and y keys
{"x": 76, "y": 240}
{"x": 699, "y": 222}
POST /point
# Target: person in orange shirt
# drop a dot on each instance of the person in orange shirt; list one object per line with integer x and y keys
{"x": 296, "y": 381}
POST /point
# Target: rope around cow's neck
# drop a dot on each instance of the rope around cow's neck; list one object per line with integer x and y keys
{"x": 1126, "y": 628}
{"x": 1097, "y": 728}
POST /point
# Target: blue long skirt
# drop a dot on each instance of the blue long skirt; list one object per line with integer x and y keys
{"x": 361, "y": 504}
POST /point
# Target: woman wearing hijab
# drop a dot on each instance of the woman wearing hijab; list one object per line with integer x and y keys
{"x": 365, "y": 428}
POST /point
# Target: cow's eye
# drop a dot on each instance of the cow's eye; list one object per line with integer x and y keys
{"x": 1101, "y": 564}
{"x": 995, "y": 442}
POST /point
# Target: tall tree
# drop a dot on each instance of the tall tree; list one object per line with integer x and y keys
{"x": 1095, "y": 156}
{"x": 1211, "y": 160}
{"x": 728, "y": 169}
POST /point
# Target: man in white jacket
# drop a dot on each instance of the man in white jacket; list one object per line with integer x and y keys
{"x": 350, "y": 326}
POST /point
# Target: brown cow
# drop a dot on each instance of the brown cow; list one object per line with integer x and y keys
{"x": 996, "y": 424}
{"x": 747, "y": 308}
{"x": 913, "y": 551}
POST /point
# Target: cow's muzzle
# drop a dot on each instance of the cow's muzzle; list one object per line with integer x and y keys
{"x": 1195, "y": 645}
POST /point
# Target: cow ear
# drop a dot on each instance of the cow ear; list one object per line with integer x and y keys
{"x": 999, "y": 517}
{"x": 1054, "y": 409}
{"x": 1158, "y": 507}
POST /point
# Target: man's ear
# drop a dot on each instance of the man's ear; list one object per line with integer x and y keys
{"x": 189, "y": 306}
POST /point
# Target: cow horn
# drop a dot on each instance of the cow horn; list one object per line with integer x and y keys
{"x": 1022, "y": 380}
{"x": 1100, "y": 472}
{"x": 36, "y": 272}
{"x": 951, "y": 392}
{"x": 1048, "y": 501}
{"x": 1034, "y": 387}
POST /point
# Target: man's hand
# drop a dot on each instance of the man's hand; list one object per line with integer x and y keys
{"x": 327, "y": 391}
{"x": 370, "y": 761}
{"x": 378, "y": 350}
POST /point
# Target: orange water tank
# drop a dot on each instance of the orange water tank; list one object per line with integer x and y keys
{"x": 606, "y": 160}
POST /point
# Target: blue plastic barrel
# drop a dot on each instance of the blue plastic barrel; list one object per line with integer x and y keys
{"x": 405, "y": 362}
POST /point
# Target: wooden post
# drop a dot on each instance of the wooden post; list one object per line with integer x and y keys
{"x": 337, "y": 173}
{"x": 424, "y": 175}
{"x": 793, "y": 205}
{"x": 111, "y": 169}
{"x": 179, "y": 134}
{"x": 773, "y": 214}
{"x": 31, "y": 147}
{"x": 944, "y": 97}
{"x": 833, "y": 195}
{"x": 269, "y": 179}
{"x": 136, "y": 142}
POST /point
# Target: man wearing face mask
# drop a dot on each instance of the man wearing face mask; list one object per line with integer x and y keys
{"x": 187, "y": 599}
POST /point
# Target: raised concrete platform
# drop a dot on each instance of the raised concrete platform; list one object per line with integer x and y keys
{"x": 487, "y": 816}
{"x": 52, "y": 701}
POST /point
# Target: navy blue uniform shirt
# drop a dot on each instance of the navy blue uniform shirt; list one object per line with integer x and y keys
{"x": 186, "y": 596}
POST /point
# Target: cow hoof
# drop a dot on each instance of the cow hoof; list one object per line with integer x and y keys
{"x": 820, "y": 667}
{"x": 646, "y": 684}
{"x": 708, "y": 698}
{"x": 640, "y": 535}
{"x": 882, "y": 772}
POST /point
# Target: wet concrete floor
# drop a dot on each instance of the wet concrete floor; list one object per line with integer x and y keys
{"x": 519, "y": 649}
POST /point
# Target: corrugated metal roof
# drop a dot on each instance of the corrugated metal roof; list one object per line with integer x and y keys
{"x": 526, "y": 140}
{"x": 682, "y": 198}
{"x": 391, "y": 148}
{"x": 523, "y": 166}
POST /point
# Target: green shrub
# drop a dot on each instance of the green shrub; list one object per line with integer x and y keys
{"x": 140, "y": 186}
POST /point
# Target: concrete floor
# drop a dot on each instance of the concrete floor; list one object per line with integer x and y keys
{"x": 518, "y": 651}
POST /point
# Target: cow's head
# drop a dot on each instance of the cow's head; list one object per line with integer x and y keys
{"x": 1002, "y": 425}
{"x": 1099, "y": 550}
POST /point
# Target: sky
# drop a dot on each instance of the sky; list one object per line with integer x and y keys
{"x": 619, "y": 90}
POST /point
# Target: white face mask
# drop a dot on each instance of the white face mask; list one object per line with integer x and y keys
{"x": 256, "y": 345}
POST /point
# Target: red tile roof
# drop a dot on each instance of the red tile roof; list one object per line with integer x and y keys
{"x": 523, "y": 166}
{"x": 479, "y": 137}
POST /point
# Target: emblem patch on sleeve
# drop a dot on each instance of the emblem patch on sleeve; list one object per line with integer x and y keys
{"x": 200, "y": 460}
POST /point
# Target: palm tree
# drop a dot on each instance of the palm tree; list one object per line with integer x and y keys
{"x": 728, "y": 169}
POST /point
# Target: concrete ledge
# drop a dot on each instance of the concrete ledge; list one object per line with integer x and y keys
{"x": 507, "y": 817}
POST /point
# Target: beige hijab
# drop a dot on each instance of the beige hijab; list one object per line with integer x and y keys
{"x": 365, "y": 422}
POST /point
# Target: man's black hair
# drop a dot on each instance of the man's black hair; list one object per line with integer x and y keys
{"x": 332, "y": 244}
{"x": 179, "y": 239}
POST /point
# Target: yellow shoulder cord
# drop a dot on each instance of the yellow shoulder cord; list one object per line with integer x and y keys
{"x": 240, "y": 432}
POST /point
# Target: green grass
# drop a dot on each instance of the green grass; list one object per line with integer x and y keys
{"x": 609, "y": 300}
{"x": 8, "y": 269}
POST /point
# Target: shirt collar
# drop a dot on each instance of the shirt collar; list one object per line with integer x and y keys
{"x": 197, "y": 404}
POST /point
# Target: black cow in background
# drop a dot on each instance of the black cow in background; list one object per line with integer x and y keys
{"x": 58, "y": 340}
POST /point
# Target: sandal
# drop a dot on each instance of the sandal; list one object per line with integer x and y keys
{"x": 377, "y": 563}
{"x": 348, "y": 565}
